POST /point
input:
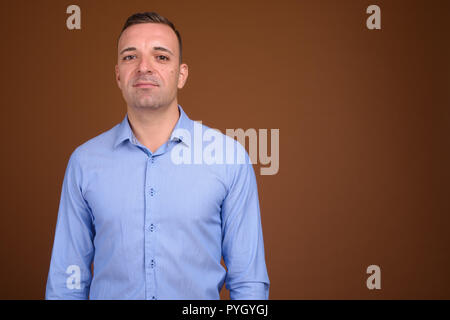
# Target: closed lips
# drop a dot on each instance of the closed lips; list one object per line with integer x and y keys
{"x": 145, "y": 84}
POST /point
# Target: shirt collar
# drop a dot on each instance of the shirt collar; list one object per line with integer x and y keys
{"x": 183, "y": 124}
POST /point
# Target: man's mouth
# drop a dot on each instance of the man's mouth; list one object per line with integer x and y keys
{"x": 145, "y": 85}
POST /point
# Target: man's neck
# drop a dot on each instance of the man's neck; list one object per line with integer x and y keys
{"x": 153, "y": 127}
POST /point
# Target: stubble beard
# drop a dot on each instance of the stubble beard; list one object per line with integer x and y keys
{"x": 145, "y": 99}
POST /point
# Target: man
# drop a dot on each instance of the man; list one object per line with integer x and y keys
{"x": 151, "y": 227}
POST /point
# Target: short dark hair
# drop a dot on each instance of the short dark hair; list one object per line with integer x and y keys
{"x": 151, "y": 17}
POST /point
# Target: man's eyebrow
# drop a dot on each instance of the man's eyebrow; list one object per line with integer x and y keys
{"x": 128, "y": 49}
{"x": 163, "y": 49}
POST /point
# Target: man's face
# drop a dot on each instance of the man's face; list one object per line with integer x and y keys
{"x": 148, "y": 70}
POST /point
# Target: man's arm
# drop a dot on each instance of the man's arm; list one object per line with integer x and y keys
{"x": 70, "y": 275}
{"x": 242, "y": 239}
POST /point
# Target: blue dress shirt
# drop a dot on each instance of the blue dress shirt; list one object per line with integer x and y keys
{"x": 154, "y": 229}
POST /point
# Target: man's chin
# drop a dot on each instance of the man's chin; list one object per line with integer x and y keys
{"x": 149, "y": 106}
{"x": 147, "y": 103}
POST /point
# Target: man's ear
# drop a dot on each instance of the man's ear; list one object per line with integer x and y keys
{"x": 117, "y": 76}
{"x": 183, "y": 75}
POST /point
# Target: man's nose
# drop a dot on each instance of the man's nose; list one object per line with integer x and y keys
{"x": 145, "y": 66}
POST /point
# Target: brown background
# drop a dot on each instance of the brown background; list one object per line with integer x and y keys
{"x": 363, "y": 116}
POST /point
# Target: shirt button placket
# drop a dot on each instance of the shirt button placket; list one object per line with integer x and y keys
{"x": 149, "y": 236}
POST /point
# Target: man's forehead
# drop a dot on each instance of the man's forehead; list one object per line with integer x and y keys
{"x": 146, "y": 33}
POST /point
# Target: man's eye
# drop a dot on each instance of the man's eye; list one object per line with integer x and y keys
{"x": 163, "y": 58}
{"x": 126, "y": 57}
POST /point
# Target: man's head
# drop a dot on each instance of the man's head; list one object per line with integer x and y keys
{"x": 149, "y": 69}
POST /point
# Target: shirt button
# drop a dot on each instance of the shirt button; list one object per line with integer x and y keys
{"x": 152, "y": 192}
{"x": 151, "y": 228}
{"x": 152, "y": 263}
{"x": 153, "y": 298}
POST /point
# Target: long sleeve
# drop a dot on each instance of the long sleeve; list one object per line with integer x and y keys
{"x": 242, "y": 238}
{"x": 70, "y": 275}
